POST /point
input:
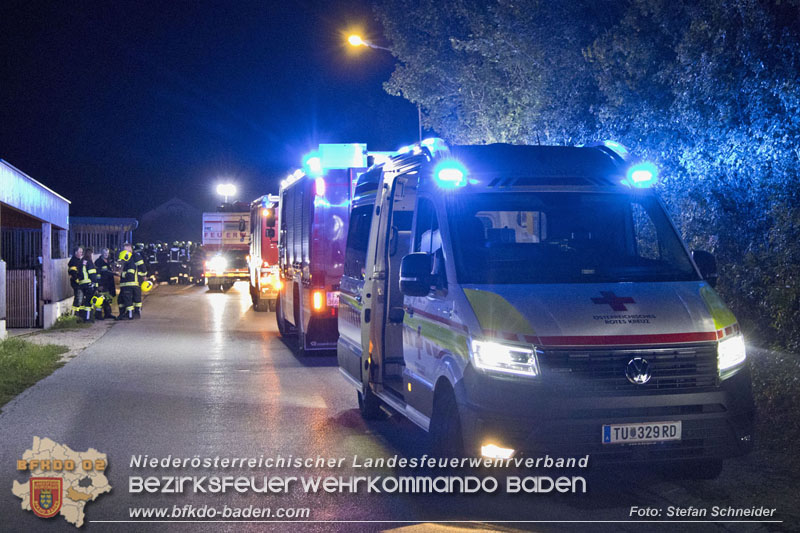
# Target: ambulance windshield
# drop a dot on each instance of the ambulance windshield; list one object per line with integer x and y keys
{"x": 564, "y": 237}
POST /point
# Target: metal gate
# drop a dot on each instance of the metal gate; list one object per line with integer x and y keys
{"x": 22, "y": 299}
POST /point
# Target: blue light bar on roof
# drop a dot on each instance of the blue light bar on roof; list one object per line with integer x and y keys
{"x": 450, "y": 174}
{"x": 312, "y": 164}
{"x": 642, "y": 175}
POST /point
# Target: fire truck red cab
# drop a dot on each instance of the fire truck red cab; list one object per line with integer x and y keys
{"x": 313, "y": 216}
{"x": 263, "y": 261}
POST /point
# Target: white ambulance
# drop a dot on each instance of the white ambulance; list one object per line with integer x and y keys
{"x": 514, "y": 300}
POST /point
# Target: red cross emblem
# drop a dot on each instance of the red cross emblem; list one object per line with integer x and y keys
{"x": 617, "y": 303}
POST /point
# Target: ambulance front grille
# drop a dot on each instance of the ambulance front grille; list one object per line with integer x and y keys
{"x": 678, "y": 368}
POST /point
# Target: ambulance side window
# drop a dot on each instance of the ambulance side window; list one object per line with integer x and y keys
{"x": 428, "y": 239}
{"x": 355, "y": 257}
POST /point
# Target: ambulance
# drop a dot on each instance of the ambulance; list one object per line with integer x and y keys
{"x": 518, "y": 300}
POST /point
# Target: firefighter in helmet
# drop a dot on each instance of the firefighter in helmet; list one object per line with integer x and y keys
{"x": 90, "y": 273}
{"x": 76, "y": 269}
{"x": 128, "y": 279}
{"x": 106, "y": 286}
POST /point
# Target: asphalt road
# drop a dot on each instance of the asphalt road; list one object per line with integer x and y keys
{"x": 203, "y": 374}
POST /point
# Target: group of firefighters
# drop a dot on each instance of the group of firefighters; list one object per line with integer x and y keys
{"x": 94, "y": 285}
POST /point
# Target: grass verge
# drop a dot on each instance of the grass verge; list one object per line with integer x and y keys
{"x": 68, "y": 322}
{"x": 23, "y": 363}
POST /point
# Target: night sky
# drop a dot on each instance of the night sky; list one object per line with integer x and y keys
{"x": 119, "y": 106}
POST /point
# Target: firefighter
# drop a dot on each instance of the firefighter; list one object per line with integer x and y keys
{"x": 127, "y": 280}
{"x": 89, "y": 280}
{"x": 141, "y": 275}
{"x": 106, "y": 286}
{"x": 76, "y": 269}
{"x": 174, "y": 263}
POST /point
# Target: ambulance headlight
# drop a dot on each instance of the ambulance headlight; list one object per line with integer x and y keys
{"x": 218, "y": 263}
{"x": 506, "y": 359}
{"x": 730, "y": 353}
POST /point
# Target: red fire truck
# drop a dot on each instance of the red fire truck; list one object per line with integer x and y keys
{"x": 263, "y": 259}
{"x": 313, "y": 215}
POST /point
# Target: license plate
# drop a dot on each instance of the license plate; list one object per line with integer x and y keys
{"x": 645, "y": 432}
{"x": 333, "y": 299}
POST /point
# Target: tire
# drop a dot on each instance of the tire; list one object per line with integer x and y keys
{"x": 272, "y": 305}
{"x": 283, "y": 328}
{"x": 445, "y": 428}
{"x": 370, "y": 406}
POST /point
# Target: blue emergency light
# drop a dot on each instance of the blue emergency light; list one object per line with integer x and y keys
{"x": 450, "y": 174}
{"x": 312, "y": 164}
{"x": 642, "y": 175}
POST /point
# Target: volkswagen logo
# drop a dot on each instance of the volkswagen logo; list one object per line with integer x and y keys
{"x": 638, "y": 371}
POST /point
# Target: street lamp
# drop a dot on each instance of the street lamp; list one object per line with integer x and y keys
{"x": 226, "y": 189}
{"x": 356, "y": 40}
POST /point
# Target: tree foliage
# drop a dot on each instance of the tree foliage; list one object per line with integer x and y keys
{"x": 708, "y": 89}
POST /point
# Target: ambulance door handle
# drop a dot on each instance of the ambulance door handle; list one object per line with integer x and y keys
{"x": 367, "y": 315}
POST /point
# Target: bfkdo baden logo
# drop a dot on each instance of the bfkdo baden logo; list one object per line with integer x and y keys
{"x": 46, "y": 494}
{"x": 62, "y": 481}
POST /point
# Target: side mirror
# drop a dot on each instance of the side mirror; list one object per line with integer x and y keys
{"x": 415, "y": 274}
{"x": 707, "y": 265}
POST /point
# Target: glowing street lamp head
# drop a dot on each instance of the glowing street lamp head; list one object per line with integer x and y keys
{"x": 355, "y": 40}
{"x": 226, "y": 189}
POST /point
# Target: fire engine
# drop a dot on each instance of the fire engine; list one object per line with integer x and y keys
{"x": 313, "y": 215}
{"x": 263, "y": 259}
{"x": 225, "y": 244}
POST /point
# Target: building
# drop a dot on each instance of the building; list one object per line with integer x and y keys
{"x": 34, "y": 221}
{"x": 174, "y": 220}
{"x": 101, "y": 232}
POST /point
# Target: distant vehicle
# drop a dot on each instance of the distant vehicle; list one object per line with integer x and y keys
{"x": 532, "y": 299}
{"x": 265, "y": 280}
{"x": 313, "y": 215}
{"x": 226, "y": 243}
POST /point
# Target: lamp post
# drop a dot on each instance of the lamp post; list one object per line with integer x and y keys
{"x": 225, "y": 190}
{"x": 357, "y": 40}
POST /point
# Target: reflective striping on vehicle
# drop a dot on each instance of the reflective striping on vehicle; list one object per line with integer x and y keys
{"x": 437, "y": 318}
{"x": 606, "y": 340}
{"x": 723, "y": 317}
{"x": 495, "y": 313}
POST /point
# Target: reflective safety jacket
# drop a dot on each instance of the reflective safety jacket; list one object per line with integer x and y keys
{"x": 89, "y": 272}
{"x": 75, "y": 270}
{"x": 133, "y": 271}
{"x": 105, "y": 274}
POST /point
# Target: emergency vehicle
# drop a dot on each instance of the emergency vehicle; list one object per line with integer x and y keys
{"x": 226, "y": 245}
{"x": 313, "y": 215}
{"x": 263, "y": 260}
{"x": 538, "y": 299}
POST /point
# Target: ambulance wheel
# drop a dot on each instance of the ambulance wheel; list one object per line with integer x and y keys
{"x": 370, "y": 406}
{"x": 272, "y": 305}
{"x": 283, "y": 328}
{"x": 260, "y": 305}
{"x": 445, "y": 428}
